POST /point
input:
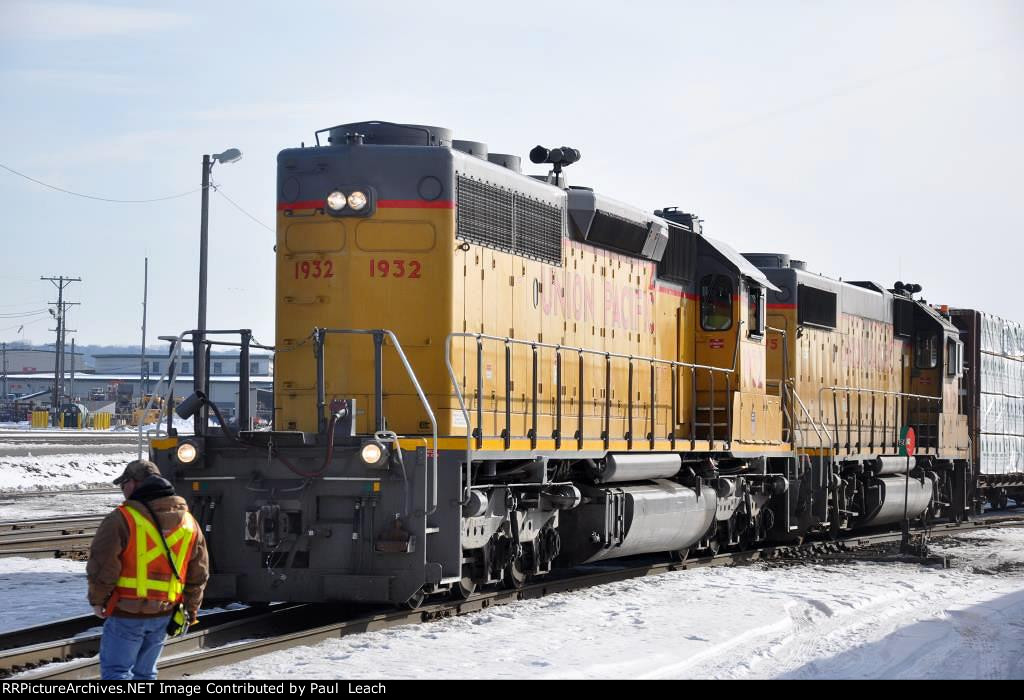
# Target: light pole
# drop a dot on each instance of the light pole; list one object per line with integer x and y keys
{"x": 231, "y": 155}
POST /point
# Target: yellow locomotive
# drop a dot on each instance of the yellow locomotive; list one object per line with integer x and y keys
{"x": 481, "y": 375}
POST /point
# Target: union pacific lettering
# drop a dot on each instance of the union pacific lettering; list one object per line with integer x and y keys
{"x": 623, "y": 306}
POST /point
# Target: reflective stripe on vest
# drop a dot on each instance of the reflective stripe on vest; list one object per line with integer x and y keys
{"x": 145, "y": 570}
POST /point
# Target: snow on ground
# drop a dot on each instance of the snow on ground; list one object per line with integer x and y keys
{"x": 55, "y": 505}
{"x": 182, "y": 425}
{"x": 849, "y": 620}
{"x": 34, "y": 591}
{"x": 54, "y": 472}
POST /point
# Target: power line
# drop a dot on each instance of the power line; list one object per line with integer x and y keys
{"x": 217, "y": 189}
{"x": 99, "y": 199}
{"x": 23, "y": 314}
{"x": 22, "y": 325}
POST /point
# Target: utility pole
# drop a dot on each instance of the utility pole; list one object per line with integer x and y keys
{"x": 198, "y": 361}
{"x": 4, "y": 352}
{"x": 199, "y": 378}
{"x": 143, "y": 384}
{"x": 58, "y": 361}
{"x": 72, "y": 391}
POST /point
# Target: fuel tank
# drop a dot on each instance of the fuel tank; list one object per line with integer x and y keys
{"x": 619, "y": 521}
{"x": 887, "y": 499}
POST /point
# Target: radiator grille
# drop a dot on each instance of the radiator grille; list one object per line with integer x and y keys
{"x": 498, "y": 218}
{"x": 484, "y": 214}
{"x": 538, "y": 230}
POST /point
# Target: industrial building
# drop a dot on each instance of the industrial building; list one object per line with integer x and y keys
{"x": 98, "y": 386}
{"x": 24, "y": 360}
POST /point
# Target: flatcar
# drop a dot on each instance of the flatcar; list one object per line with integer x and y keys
{"x": 482, "y": 375}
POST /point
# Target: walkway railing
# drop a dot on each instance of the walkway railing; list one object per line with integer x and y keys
{"x": 639, "y": 369}
{"x": 908, "y": 412}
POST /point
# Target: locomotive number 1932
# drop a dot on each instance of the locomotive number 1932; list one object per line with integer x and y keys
{"x": 395, "y": 268}
{"x": 314, "y": 268}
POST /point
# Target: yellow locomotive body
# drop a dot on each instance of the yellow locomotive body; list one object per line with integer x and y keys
{"x": 482, "y": 375}
{"x": 407, "y": 263}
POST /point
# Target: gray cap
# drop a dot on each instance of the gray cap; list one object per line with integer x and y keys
{"x": 137, "y": 471}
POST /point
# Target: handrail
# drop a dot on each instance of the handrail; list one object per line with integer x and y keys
{"x": 785, "y": 379}
{"x": 810, "y": 418}
{"x": 558, "y": 348}
{"x": 172, "y": 376}
{"x": 319, "y": 336}
{"x": 873, "y": 392}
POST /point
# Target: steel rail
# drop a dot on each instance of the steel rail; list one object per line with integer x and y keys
{"x": 66, "y": 640}
{"x": 48, "y": 524}
{"x": 50, "y": 537}
{"x": 18, "y": 495}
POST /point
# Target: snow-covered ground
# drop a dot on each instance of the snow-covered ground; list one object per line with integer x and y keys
{"x": 854, "y": 620}
{"x": 51, "y": 472}
{"x": 849, "y": 620}
{"x": 54, "y": 505}
{"x": 34, "y": 591}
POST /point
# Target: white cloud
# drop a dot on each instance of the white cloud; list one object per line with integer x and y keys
{"x": 46, "y": 19}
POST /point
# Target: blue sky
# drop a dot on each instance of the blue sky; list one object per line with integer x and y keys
{"x": 873, "y": 139}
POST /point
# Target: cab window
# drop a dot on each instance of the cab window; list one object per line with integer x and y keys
{"x": 954, "y": 358}
{"x": 755, "y": 311}
{"x": 716, "y": 303}
{"x": 926, "y": 351}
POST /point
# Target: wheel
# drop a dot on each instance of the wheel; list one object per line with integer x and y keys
{"x": 514, "y": 576}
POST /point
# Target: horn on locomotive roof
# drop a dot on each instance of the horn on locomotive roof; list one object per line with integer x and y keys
{"x": 907, "y": 289}
{"x": 558, "y": 158}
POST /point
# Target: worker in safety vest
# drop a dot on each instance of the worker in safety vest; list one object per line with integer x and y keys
{"x": 147, "y": 559}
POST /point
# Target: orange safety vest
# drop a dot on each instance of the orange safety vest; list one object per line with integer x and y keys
{"x": 146, "y": 572}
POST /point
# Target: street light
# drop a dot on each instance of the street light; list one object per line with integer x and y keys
{"x": 231, "y": 155}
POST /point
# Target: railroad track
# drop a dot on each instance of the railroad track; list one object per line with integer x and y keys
{"x": 68, "y": 436}
{"x": 79, "y": 637}
{"x": 21, "y": 495}
{"x": 23, "y": 444}
{"x": 49, "y": 537}
{"x": 219, "y": 644}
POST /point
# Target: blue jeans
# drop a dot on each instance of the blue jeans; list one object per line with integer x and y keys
{"x": 130, "y": 647}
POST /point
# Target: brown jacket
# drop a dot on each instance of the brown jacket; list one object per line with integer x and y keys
{"x": 104, "y": 567}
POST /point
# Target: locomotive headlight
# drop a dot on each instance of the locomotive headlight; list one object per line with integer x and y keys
{"x": 187, "y": 453}
{"x": 372, "y": 453}
{"x": 357, "y": 200}
{"x": 336, "y": 200}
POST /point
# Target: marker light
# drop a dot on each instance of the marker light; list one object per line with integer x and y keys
{"x": 336, "y": 200}
{"x": 187, "y": 453}
{"x": 371, "y": 453}
{"x": 357, "y": 200}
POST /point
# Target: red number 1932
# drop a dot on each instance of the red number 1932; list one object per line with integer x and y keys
{"x": 395, "y": 268}
{"x": 314, "y": 268}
